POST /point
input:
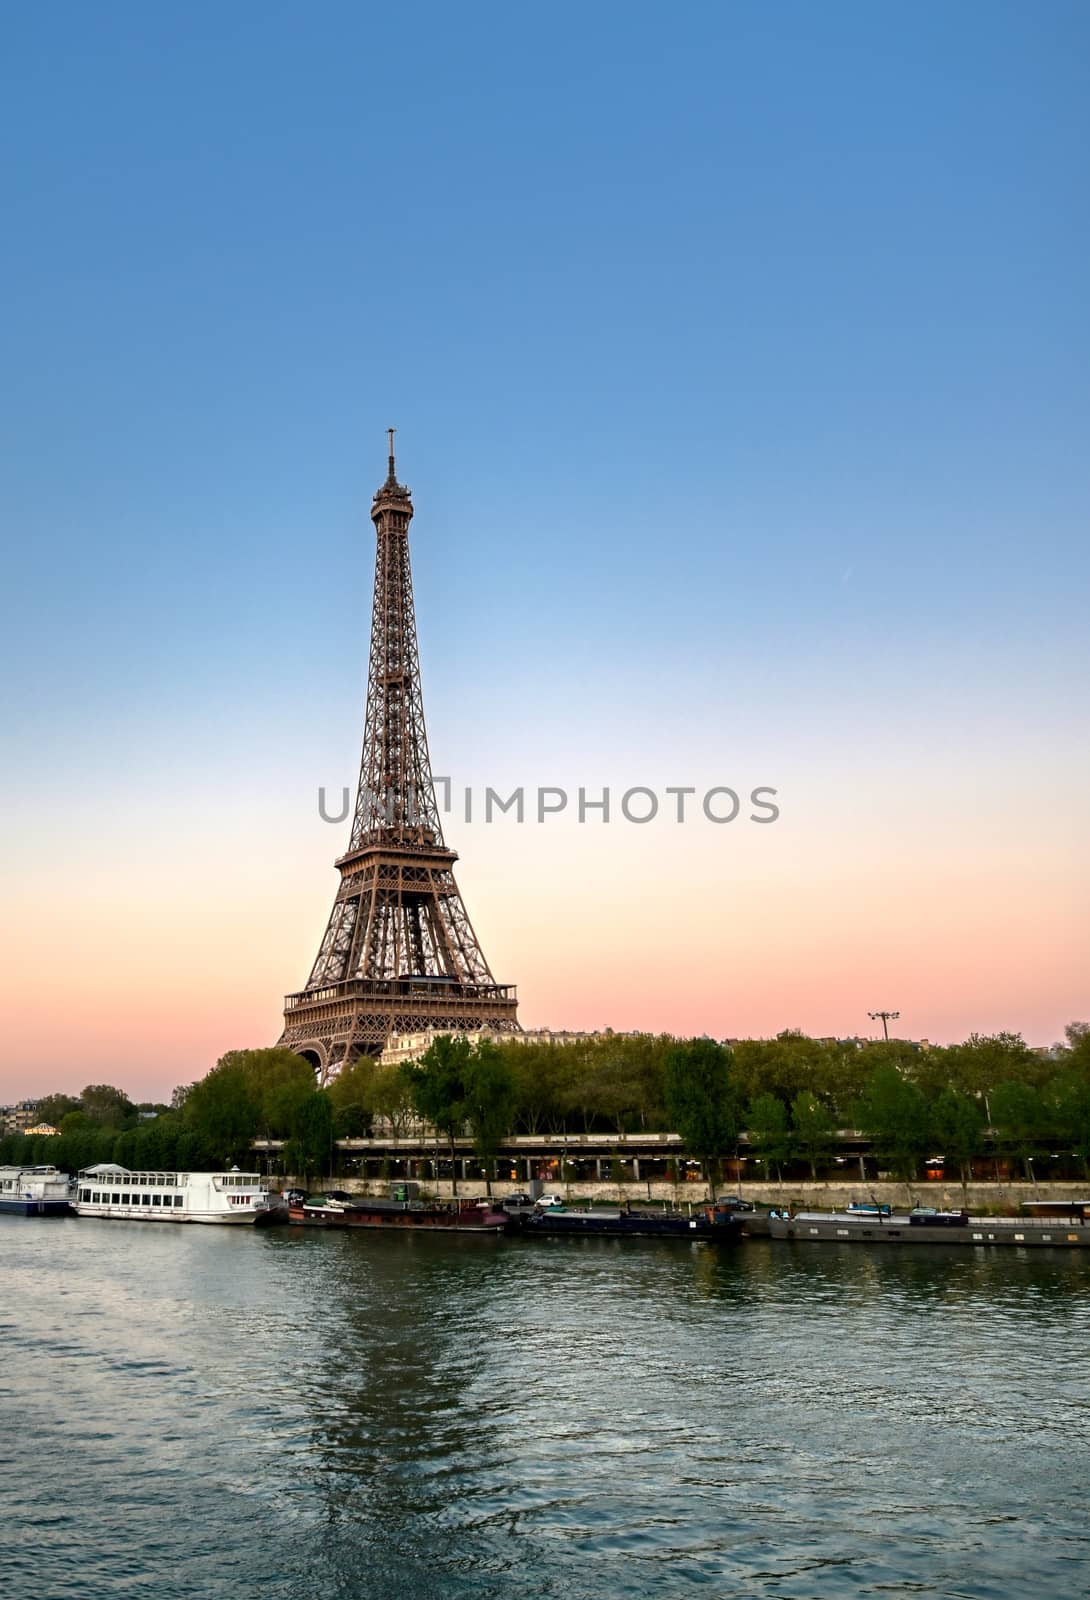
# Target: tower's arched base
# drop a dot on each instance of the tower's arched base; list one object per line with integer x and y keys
{"x": 335, "y": 1025}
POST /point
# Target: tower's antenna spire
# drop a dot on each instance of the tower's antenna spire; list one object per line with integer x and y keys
{"x": 390, "y": 435}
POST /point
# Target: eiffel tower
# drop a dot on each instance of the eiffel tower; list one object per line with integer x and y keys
{"x": 399, "y": 953}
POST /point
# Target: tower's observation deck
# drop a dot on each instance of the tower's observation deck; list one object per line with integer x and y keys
{"x": 399, "y": 952}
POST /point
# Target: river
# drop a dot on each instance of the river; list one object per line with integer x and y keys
{"x": 209, "y": 1412}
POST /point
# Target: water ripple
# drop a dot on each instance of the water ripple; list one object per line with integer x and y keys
{"x": 205, "y": 1411}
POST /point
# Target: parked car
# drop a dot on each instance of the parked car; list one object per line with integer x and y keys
{"x": 733, "y": 1202}
{"x": 546, "y": 1201}
{"x": 514, "y": 1202}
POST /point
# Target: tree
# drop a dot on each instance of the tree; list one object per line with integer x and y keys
{"x": 1070, "y": 1096}
{"x": 391, "y": 1096}
{"x": 278, "y": 1082}
{"x": 309, "y": 1146}
{"x": 221, "y": 1116}
{"x": 353, "y": 1095}
{"x": 958, "y": 1126}
{"x": 1078, "y": 1054}
{"x": 55, "y": 1107}
{"x": 984, "y": 1061}
{"x": 488, "y": 1101}
{"x": 107, "y": 1107}
{"x": 700, "y": 1102}
{"x": 770, "y": 1132}
{"x": 893, "y": 1114}
{"x": 437, "y": 1084}
{"x": 815, "y": 1129}
{"x": 538, "y": 1071}
{"x": 782, "y": 1066}
{"x": 1021, "y": 1119}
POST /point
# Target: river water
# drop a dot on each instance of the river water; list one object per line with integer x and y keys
{"x": 209, "y": 1412}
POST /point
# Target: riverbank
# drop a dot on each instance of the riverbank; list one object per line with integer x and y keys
{"x": 820, "y": 1196}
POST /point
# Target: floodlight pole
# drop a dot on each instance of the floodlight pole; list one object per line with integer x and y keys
{"x": 886, "y": 1017}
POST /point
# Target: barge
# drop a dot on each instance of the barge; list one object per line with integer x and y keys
{"x": 1050, "y": 1225}
{"x": 401, "y": 1211}
{"x": 710, "y": 1222}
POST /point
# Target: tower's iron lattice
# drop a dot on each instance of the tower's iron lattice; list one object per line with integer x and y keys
{"x": 399, "y": 952}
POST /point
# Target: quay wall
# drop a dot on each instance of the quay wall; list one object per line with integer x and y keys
{"x": 818, "y": 1196}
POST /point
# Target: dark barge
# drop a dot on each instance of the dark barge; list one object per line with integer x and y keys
{"x": 1051, "y": 1225}
{"x": 709, "y": 1222}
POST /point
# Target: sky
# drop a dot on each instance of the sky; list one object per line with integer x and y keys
{"x": 739, "y": 361}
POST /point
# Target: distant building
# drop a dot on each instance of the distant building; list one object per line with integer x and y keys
{"x": 402, "y": 1047}
{"x": 45, "y": 1129}
{"x": 18, "y": 1118}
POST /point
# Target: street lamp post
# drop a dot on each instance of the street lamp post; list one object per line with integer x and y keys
{"x": 886, "y": 1018}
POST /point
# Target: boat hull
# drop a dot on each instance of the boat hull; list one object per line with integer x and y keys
{"x": 217, "y": 1219}
{"x": 10, "y": 1206}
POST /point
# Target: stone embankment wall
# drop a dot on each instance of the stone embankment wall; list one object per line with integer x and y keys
{"x": 804, "y": 1196}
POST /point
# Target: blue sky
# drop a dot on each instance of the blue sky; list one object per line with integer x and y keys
{"x": 739, "y": 359}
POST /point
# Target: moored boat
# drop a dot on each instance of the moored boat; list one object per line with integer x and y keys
{"x": 402, "y": 1209}
{"x": 720, "y": 1223}
{"x": 231, "y": 1197}
{"x": 34, "y": 1191}
{"x": 927, "y": 1226}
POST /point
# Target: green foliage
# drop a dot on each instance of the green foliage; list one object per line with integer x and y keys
{"x": 904, "y": 1098}
{"x": 957, "y": 1124}
{"x": 1070, "y": 1094}
{"x": 769, "y": 1132}
{"x": 1021, "y": 1118}
{"x": 55, "y": 1107}
{"x": 107, "y": 1107}
{"x": 221, "y": 1115}
{"x": 984, "y": 1061}
{"x": 278, "y": 1083}
{"x": 309, "y": 1146}
{"x": 541, "y": 1074}
{"x": 437, "y": 1083}
{"x": 391, "y": 1099}
{"x": 488, "y": 1091}
{"x": 700, "y": 1101}
{"x": 437, "y": 1086}
{"x": 893, "y": 1113}
{"x": 815, "y": 1129}
{"x": 782, "y": 1066}
{"x": 353, "y": 1095}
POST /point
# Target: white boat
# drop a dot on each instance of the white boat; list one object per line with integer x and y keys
{"x": 34, "y": 1191}
{"x": 228, "y": 1197}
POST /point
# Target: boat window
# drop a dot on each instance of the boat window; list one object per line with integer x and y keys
{"x": 156, "y": 1199}
{"x": 177, "y": 1199}
{"x": 145, "y": 1199}
{"x": 115, "y": 1199}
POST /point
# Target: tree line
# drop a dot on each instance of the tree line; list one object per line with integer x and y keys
{"x": 791, "y": 1097}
